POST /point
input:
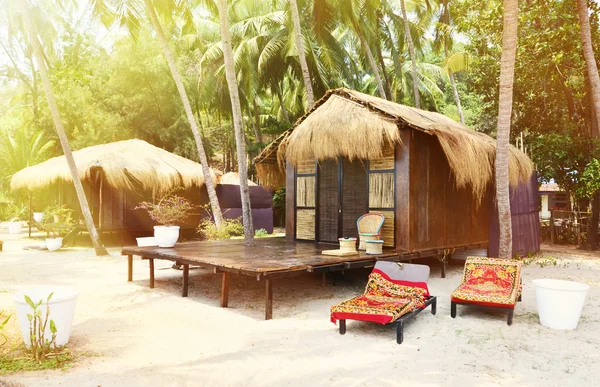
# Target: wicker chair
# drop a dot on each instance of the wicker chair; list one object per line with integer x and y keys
{"x": 394, "y": 294}
{"x": 369, "y": 227}
{"x": 491, "y": 283}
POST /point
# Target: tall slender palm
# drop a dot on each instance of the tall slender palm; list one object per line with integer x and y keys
{"x": 411, "y": 51}
{"x": 590, "y": 60}
{"x": 505, "y": 100}
{"x": 237, "y": 119}
{"x": 302, "y": 58}
{"x": 62, "y": 135}
{"x": 126, "y": 12}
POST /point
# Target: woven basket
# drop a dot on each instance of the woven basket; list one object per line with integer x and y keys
{"x": 374, "y": 247}
{"x": 367, "y": 237}
{"x": 347, "y": 244}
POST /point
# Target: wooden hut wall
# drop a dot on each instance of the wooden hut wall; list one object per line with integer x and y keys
{"x": 305, "y": 200}
{"x": 441, "y": 215}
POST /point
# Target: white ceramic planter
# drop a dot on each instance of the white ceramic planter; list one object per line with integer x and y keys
{"x": 62, "y": 310}
{"x": 38, "y": 216}
{"x": 166, "y": 236}
{"x": 560, "y": 302}
{"x": 53, "y": 244}
{"x": 15, "y": 227}
{"x": 146, "y": 241}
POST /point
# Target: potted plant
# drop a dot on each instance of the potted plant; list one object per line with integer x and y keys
{"x": 170, "y": 211}
{"x": 38, "y": 217}
{"x": 58, "y": 223}
{"x": 15, "y": 224}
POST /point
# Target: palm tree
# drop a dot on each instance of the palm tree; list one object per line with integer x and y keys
{"x": 302, "y": 58}
{"x": 128, "y": 15}
{"x": 505, "y": 99}
{"x": 237, "y": 119}
{"x": 590, "y": 60}
{"x": 62, "y": 136}
{"x": 411, "y": 51}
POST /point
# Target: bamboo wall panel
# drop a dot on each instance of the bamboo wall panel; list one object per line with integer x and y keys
{"x": 381, "y": 190}
{"x": 386, "y": 161}
{"x": 305, "y": 224}
{"x": 307, "y": 167}
{"x": 305, "y": 191}
{"x": 354, "y": 196}
{"x": 387, "y": 231}
{"x": 328, "y": 201}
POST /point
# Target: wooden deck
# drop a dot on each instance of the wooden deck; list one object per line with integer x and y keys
{"x": 267, "y": 259}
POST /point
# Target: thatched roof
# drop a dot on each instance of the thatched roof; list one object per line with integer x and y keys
{"x": 357, "y": 126}
{"x": 127, "y": 165}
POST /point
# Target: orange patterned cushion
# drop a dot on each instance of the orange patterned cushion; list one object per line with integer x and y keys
{"x": 490, "y": 281}
{"x": 384, "y": 300}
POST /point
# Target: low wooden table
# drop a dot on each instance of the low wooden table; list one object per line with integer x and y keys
{"x": 267, "y": 259}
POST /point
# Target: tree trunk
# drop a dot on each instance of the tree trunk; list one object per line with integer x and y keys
{"x": 301, "y": 57}
{"x": 284, "y": 111}
{"x": 590, "y": 60}
{"x": 593, "y": 226}
{"x": 456, "y": 97}
{"x": 210, "y": 186}
{"x": 62, "y": 135}
{"x": 257, "y": 128}
{"x": 371, "y": 60}
{"x": 505, "y": 100}
{"x": 386, "y": 77}
{"x": 237, "y": 120}
{"x": 413, "y": 58}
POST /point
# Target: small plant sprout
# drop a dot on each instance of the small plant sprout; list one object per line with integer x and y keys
{"x": 3, "y": 338}
{"x": 41, "y": 347}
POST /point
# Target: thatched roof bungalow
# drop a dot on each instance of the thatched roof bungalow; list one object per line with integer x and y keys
{"x": 353, "y": 153}
{"x": 119, "y": 175}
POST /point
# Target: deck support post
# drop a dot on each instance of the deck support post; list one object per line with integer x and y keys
{"x": 151, "y": 262}
{"x": 186, "y": 276}
{"x": 324, "y": 279}
{"x": 444, "y": 266}
{"x": 224, "y": 289}
{"x": 268, "y": 299}
{"x": 129, "y": 268}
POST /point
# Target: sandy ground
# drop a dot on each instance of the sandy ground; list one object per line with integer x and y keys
{"x": 136, "y": 336}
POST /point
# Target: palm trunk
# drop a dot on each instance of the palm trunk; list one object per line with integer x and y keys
{"x": 505, "y": 100}
{"x": 456, "y": 97}
{"x": 386, "y": 77}
{"x": 301, "y": 57}
{"x": 413, "y": 58}
{"x": 372, "y": 63}
{"x": 286, "y": 114}
{"x": 210, "y": 186}
{"x": 62, "y": 135}
{"x": 237, "y": 120}
{"x": 590, "y": 60}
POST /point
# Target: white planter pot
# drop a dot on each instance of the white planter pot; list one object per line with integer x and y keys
{"x": 53, "y": 243}
{"x": 146, "y": 241}
{"x": 560, "y": 302}
{"x": 38, "y": 216}
{"x": 15, "y": 227}
{"x": 62, "y": 310}
{"x": 166, "y": 236}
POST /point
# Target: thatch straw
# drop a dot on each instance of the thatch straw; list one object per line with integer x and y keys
{"x": 357, "y": 126}
{"x": 127, "y": 165}
{"x": 233, "y": 178}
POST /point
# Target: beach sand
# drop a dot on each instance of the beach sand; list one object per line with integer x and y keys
{"x": 130, "y": 335}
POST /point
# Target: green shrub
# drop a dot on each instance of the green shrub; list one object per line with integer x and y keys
{"x": 261, "y": 233}
{"x": 228, "y": 229}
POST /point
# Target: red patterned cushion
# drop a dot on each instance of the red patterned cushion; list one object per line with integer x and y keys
{"x": 489, "y": 281}
{"x": 385, "y": 300}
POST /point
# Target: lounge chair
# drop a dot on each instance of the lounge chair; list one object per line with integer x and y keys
{"x": 395, "y": 293}
{"x": 369, "y": 227}
{"x": 489, "y": 282}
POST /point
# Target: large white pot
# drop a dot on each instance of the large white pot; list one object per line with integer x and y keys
{"x": 166, "y": 236}
{"x": 62, "y": 310}
{"x": 560, "y": 302}
{"x": 14, "y": 227}
{"x": 53, "y": 244}
{"x": 38, "y": 216}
